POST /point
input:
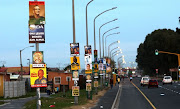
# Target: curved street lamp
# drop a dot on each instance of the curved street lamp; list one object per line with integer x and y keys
{"x": 111, "y": 45}
{"x": 105, "y": 40}
{"x": 103, "y": 37}
{"x": 87, "y": 23}
{"x": 114, "y": 49}
{"x": 21, "y": 59}
{"x": 95, "y": 23}
{"x": 100, "y": 34}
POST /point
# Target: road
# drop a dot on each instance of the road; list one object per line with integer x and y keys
{"x": 132, "y": 98}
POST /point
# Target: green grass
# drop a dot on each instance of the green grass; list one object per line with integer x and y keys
{"x": 59, "y": 101}
{"x": 28, "y": 94}
{"x": 1, "y": 102}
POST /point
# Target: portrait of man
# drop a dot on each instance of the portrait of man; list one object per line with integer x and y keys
{"x": 75, "y": 63}
{"x": 88, "y": 67}
{"x": 74, "y": 48}
{"x": 75, "y": 74}
{"x": 36, "y": 12}
{"x": 41, "y": 79}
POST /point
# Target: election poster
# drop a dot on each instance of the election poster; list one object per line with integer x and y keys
{"x": 87, "y": 50}
{"x": 88, "y": 64}
{"x": 75, "y": 63}
{"x": 95, "y": 83}
{"x": 36, "y": 33}
{"x": 36, "y": 12}
{"x": 38, "y": 57}
{"x": 75, "y": 75}
{"x": 75, "y": 90}
{"x": 96, "y": 68}
{"x": 38, "y": 77}
{"x": 88, "y": 78}
{"x": 74, "y": 49}
{"x": 88, "y": 87}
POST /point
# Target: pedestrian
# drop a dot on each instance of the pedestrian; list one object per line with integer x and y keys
{"x": 48, "y": 89}
{"x": 123, "y": 78}
{"x": 111, "y": 83}
{"x": 119, "y": 80}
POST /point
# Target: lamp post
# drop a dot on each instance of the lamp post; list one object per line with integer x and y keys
{"x": 21, "y": 60}
{"x": 105, "y": 40}
{"x": 113, "y": 49}
{"x": 111, "y": 45}
{"x": 95, "y": 23}
{"x": 117, "y": 51}
{"x": 100, "y": 34}
{"x": 103, "y": 37}
{"x": 87, "y": 23}
{"x": 29, "y": 64}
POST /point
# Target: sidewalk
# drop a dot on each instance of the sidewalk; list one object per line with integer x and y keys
{"x": 107, "y": 100}
{"x": 18, "y": 103}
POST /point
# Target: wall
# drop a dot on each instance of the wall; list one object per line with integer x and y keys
{"x": 1, "y": 85}
{"x": 63, "y": 76}
{"x": 14, "y": 89}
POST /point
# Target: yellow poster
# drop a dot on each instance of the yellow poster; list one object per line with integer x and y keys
{"x": 88, "y": 87}
{"x": 75, "y": 63}
{"x": 95, "y": 83}
{"x": 96, "y": 68}
{"x": 75, "y": 90}
{"x": 38, "y": 76}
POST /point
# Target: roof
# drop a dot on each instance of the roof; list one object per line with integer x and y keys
{"x": 3, "y": 69}
{"x": 17, "y": 70}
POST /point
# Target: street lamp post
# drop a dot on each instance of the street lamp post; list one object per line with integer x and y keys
{"x": 95, "y": 26}
{"x": 105, "y": 40}
{"x": 113, "y": 49}
{"x": 111, "y": 45}
{"x": 21, "y": 61}
{"x": 117, "y": 51}
{"x": 103, "y": 37}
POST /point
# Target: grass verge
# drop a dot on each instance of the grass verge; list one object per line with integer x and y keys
{"x": 1, "y": 102}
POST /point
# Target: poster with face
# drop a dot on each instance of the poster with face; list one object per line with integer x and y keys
{"x": 38, "y": 77}
{"x": 75, "y": 75}
{"x": 36, "y": 12}
{"x": 74, "y": 49}
{"x": 88, "y": 64}
{"x": 37, "y": 57}
{"x": 75, "y": 63}
{"x": 87, "y": 50}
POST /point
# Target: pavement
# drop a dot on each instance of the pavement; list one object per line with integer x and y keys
{"x": 18, "y": 103}
{"x": 107, "y": 100}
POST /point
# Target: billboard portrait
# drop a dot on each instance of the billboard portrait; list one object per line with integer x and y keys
{"x": 75, "y": 75}
{"x": 96, "y": 68}
{"x": 38, "y": 77}
{"x": 87, "y": 50}
{"x": 36, "y": 33}
{"x": 88, "y": 87}
{"x": 100, "y": 66}
{"x": 75, "y": 63}
{"x": 74, "y": 49}
{"x": 38, "y": 57}
{"x": 36, "y": 12}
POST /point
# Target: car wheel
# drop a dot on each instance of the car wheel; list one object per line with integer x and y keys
{"x": 157, "y": 86}
{"x": 143, "y": 85}
{"x": 171, "y": 83}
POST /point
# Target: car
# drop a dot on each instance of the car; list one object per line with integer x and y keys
{"x": 167, "y": 79}
{"x": 144, "y": 81}
{"x": 139, "y": 76}
{"x": 153, "y": 83}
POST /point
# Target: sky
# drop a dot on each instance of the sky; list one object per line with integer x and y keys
{"x": 136, "y": 19}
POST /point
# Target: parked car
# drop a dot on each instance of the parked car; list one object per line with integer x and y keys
{"x": 167, "y": 79}
{"x": 139, "y": 76}
{"x": 144, "y": 81}
{"x": 153, "y": 83}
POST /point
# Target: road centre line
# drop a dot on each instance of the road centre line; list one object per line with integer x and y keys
{"x": 144, "y": 96}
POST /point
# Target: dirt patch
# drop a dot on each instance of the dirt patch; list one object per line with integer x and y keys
{"x": 90, "y": 103}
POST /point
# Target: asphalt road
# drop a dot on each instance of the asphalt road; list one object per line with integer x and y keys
{"x": 131, "y": 98}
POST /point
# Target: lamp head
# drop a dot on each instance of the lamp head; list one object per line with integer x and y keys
{"x": 32, "y": 46}
{"x": 118, "y": 41}
{"x": 114, "y": 7}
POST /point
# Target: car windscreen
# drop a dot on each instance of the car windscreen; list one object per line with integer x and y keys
{"x": 145, "y": 78}
{"x": 167, "y": 78}
{"x": 152, "y": 81}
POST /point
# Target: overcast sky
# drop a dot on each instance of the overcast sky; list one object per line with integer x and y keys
{"x": 136, "y": 19}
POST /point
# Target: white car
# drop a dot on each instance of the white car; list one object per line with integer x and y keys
{"x": 144, "y": 81}
{"x": 167, "y": 79}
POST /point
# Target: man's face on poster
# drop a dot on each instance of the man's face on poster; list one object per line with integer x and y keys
{"x": 40, "y": 73}
{"x": 36, "y": 10}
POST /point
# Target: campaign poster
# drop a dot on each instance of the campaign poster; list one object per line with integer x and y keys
{"x": 75, "y": 74}
{"x": 74, "y": 49}
{"x": 88, "y": 64}
{"x": 95, "y": 75}
{"x": 95, "y": 83}
{"x": 36, "y": 12}
{"x": 36, "y": 33}
{"x": 95, "y": 56}
{"x": 88, "y": 87}
{"x": 38, "y": 57}
{"x": 75, "y": 90}
{"x": 87, "y": 50}
{"x": 88, "y": 78}
{"x": 75, "y": 63}
{"x": 38, "y": 77}
{"x": 100, "y": 66}
{"x": 96, "y": 68}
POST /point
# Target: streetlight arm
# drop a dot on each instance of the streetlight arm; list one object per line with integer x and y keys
{"x": 111, "y": 45}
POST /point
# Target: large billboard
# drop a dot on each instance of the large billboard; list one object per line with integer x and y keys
{"x": 75, "y": 63}
{"x": 36, "y": 33}
{"x": 38, "y": 77}
{"x": 36, "y": 12}
{"x": 74, "y": 49}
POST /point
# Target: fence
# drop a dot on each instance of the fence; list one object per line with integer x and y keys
{"x": 14, "y": 89}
